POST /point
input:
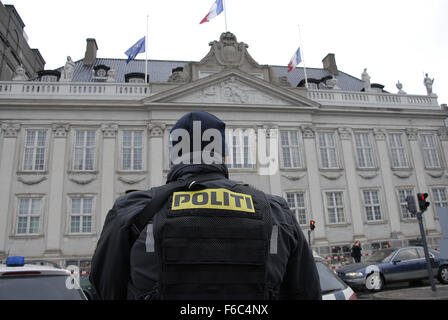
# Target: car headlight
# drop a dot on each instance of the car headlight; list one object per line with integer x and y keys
{"x": 354, "y": 274}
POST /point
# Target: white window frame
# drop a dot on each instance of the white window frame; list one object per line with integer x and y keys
{"x": 300, "y": 212}
{"x": 34, "y": 147}
{"x": 332, "y": 208}
{"x": 84, "y": 147}
{"x": 292, "y": 149}
{"x": 408, "y": 191}
{"x": 82, "y": 214}
{"x": 132, "y": 149}
{"x": 28, "y": 214}
{"x": 402, "y": 159}
{"x": 431, "y": 154}
{"x": 241, "y": 143}
{"x": 369, "y": 201}
{"x": 439, "y": 197}
{"x": 364, "y": 150}
{"x": 331, "y": 151}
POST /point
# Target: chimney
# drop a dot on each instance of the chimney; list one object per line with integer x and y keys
{"x": 90, "y": 55}
{"x": 329, "y": 63}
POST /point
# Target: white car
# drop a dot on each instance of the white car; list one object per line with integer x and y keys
{"x": 331, "y": 286}
{"x": 20, "y": 281}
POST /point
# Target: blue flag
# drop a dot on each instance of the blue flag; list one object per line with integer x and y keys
{"x": 137, "y": 48}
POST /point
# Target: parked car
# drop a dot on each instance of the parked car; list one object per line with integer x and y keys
{"x": 394, "y": 265}
{"x": 20, "y": 281}
{"x": 331, "y": 286}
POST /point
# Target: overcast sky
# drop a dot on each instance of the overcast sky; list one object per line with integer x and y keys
{"x": 393, "y": 39}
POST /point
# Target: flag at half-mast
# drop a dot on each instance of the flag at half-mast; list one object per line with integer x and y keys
{"x": 137, "y": 48}
{"x": 215, "y": 10}
{"x": 295, "y": 60}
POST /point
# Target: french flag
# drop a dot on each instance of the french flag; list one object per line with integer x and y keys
{"x": 215, "y": 10}
{"x": 295, "y": 60}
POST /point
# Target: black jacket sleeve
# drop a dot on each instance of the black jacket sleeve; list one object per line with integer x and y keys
{"x": 110, "y": 267}
{"x": 301, "y": 279}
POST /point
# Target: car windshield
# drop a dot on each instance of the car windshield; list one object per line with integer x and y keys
{"x": 329, "y": 282}
{"x": 38, "y": 288}
{"x": 380, "y": 256}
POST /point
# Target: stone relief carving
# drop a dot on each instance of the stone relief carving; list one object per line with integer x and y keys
{"x": 156, "y": 129}
{"x": 412, "y": 133}
{"x": 332, "y": 175}
{"x": 380, "y": 134}
{"x": 10, "y": 130}
{"x": 31, "y": 181}
{"x": 443, "y": 134}
{"x": 294, "y": 178}
{"x": 231, "y": 90}
{"x": 60, "y": 129}
{"x": 368, "y": 174}
{"x": 403, "y": 174}
{"x": 109, "y": 130}
{"x": 308, "y": 131}
{"x": 436, "y": 173}
{"x": 131, "y": 180}
{"x": 345, "y": 133}
{"x": 82, "y": 178}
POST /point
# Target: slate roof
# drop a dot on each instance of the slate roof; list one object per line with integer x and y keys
{"x": 160, "y": 70}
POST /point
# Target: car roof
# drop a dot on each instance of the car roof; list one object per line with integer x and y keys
{"x": 25, "y": 269}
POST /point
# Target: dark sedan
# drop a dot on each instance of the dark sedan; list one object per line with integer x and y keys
{"x": 393, "y": 265}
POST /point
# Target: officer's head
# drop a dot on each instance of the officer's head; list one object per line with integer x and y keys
{"x": 198, "y": 137}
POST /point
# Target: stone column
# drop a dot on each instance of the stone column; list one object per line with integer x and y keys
{"x": 314, "y": 190}
{"x": 352, "y": 182}
{"x": 386, "y": 175}
{"x": 419, "y": 164}
{"x": 56, "y": 197}
{"x": 107, "y": 169}
{"x": 10, "y": 131}
{"x": 156, "y": 152}
{"x": 270, "y": 159}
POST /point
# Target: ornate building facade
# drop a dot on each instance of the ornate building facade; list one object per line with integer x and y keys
{"x": 347, "y": 153}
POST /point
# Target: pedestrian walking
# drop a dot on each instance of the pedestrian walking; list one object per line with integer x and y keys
{"x": 356, "y": 251}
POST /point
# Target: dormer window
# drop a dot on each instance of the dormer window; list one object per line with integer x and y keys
{"x": 135, "y": 77}
{"x": 100, "y": 72}
{"x": 49, "y": 75}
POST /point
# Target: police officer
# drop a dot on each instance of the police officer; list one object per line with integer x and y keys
{"x": 201, "y": 235}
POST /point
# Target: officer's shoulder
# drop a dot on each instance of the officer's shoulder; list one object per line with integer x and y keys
{"x": 134, "y": 197}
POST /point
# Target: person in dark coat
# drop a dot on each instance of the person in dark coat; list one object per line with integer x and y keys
{"x": 123, "y": 271}
{"x": 356, "y": 251}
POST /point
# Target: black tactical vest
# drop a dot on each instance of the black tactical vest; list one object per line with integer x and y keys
{"x": 213, "y": 244}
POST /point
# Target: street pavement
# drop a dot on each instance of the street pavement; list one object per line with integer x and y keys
{"x": 404, "y": 292}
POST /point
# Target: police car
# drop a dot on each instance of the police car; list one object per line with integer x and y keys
{"x": 20, "y": 281}
{"x": 331, "y": 286}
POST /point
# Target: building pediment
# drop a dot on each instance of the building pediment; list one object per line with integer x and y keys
{"x": 231, "y": 87}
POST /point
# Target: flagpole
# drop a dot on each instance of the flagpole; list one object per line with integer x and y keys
{"x": 146, "y": 49}
{"x": 303, "y": 57}
{"x": 225, "y": 13}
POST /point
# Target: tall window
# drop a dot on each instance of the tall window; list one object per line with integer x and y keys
{"x": 239, "y": 149}
{"x": 335, "y": 207}
{"x": 402, "y": 194}
{"x": 28, "y": 215}
{"x": 398, "y": 151}
{"x": 372, "y": 205}
{"x": 290, "y": 148}
{"x": 327, "y": 150}
{"x": 430, "y": 153}
{"x": 296, "y": 202}
{"x": 440, "y": 197}
{"x": 84, "y": 154}
{"x": 364, "y": 150}
{"x": 35, "y": 146}
{"x": 81, "y": 215}
{"x": 132, "y": 150}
